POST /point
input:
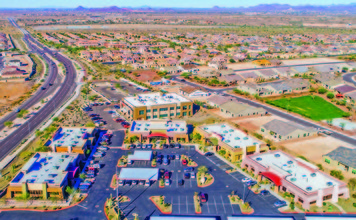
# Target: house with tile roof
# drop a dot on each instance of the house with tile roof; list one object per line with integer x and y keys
{"x": 235, "y": 109}
{"x": 342, "y": 158}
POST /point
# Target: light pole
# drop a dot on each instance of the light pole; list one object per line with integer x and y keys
{"x": 243, "y": 197}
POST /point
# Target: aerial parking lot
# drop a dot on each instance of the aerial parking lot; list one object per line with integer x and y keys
{"x": 183, "y": 182}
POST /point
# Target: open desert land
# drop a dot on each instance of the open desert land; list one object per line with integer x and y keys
{"x": 11, "y": 91}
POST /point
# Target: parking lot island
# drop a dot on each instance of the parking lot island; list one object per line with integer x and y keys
{"x": 159, "y": 202}
{"x": 307, "y": 184}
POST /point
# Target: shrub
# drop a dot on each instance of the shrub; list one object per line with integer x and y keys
{"x": 354, "y": 205}
{"x": 330, "y": 95}
{"x": 322, "y": 90}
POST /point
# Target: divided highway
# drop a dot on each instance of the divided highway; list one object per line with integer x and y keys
{"x": 64, "y": 92}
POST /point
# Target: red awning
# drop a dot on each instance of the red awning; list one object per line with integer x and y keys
{"x": 158, "y": 134}
{"x": 273, "y": 177}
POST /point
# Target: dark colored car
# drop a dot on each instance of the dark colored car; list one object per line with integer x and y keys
{"x": 280, "y": 203}
{"x": 251, "y": 183}
{"x": 264, "y": 192}
{"x": 171, "y": 145}
{"x": 165, "y": 145}
{"x": 43, "y": 88}
{"x": 181, "y": 182}
{"x": 186, "y": 175}
{"x": 177, "y": 145}
{"x": 159, "y": 161}
{"x": 189, "y": 169}
{"x": 132, "y": 146}
{"x": 209, "y": 154}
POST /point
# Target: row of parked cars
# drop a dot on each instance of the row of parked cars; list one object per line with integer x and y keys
{"x": 134, "y": 182}
{"x": 149, "y": 146}
{"x": 94, "y": 166}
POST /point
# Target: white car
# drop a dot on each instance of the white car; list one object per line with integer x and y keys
{"x": 245, "y": 180}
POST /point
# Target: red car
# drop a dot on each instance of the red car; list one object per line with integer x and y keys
{"x": 202, "y": 197}
{"x": 126, "y": 126}
{"x": 184, "y": 162}
{"x": 166, "y": 175}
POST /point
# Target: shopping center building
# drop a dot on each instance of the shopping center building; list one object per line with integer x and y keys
{"x": 167, "y": 130}
{"x": 45, "y": 175}
{"x": 233, "y": 143}
{"x": 304, "y": 181}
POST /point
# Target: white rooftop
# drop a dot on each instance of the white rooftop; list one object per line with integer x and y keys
{"x": 139, "y": 174}
{"x": 140, "y": 155}
{"x": 152, "y": 99}
{"x": 169, "y": 126}
{"x": 260, "y": 217}
{"x": 298, "y": 172}
{"x": 329, "y": 217}
{"x": 46, "y": 167}
{"x": 74, "y": 137}
{"x": 231, "y": 136}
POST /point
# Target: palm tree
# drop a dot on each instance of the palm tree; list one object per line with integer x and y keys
{"x": 202, "y": 169}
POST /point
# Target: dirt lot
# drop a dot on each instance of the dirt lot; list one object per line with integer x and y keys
{"x": 254, "y": 124}
{"x": 12, "y": 90}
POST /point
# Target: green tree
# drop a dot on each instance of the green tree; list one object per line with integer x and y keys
{"x": 352, "y": 183}
{"x": 55, "y": 119}
{"x": 82, "y": 176}
{"x": 232, "y": 61}
{"x": 8, "y": 123}
{"x": 337, "y": 174}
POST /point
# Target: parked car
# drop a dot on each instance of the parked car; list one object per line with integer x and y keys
{"x": 108, "y": 103}
{"x": 121, "y": 182}
{"x": 181, "y": 182}
{"x": 186, "y": 175}
{"x": 165, "y": 161}
{"x": 192, "y": 175}
{"x": 149, "y": 146}
{"x": 134, "y": 182}
{"x": 251, "y": 183}
{"x": 177, "y": 156}
{"x": 280, "y": 203}
{"x": 245, "y": 180}
{"x": 264, "y": 192}
{"x": 159, "y": 161}
{"x": 132, "y": 146}
{"x": 184, "y": 162}
{"x": 165, "y": 145}
{"x": 128, "y": 182}
{"x": 166, "y": 175}
{"x": 209, "y": 154}
{"x": 203, "y": 197}
{"x": 167, "y": 182}
{"x": 139, "y": 146}
{"x": 171, "y": 145}
{"x": 141, "y": 182}
{"x": 177, "y": 145}
{"x": 148, "y": 183}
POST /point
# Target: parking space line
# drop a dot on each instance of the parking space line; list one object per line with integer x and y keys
{"x": 177, "y": 179}
{"x": 223, "y": 203}
{"x": 216, "y": 207}
{"x": 179, "y": 204}
{"x": 186, "y": 203}
{"x": 208, "y": 207}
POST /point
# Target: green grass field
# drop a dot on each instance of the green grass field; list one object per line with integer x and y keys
{"x": 317, "y": 109}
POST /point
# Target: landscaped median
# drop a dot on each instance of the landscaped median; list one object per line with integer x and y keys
{"x": 122, "y": 162}
{"x": 112, "y": 212}
{"x": 161, "y": 183}
{"x": 244, "y": 206}
{"x": 165, "y": 208}
{"x": 154, "y": 163}
{"x": 114, "y": 183}
{"x": 197, "y": 204}
{"x": 204, "y": 178}
{"x": 190, "y": 162}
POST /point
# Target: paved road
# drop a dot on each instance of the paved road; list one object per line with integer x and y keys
{"x": 280, "y": 113}
{"x": 294, "y": 65}
{"x": 66, "y": 89}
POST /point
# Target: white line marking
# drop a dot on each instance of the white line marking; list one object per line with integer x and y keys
{"x": 179, "y": 204}
{"x": 82, "y": 206}
{"x": 215, "y": 206}
{"x": 223, "y": 203}
{"x": 186, "y": 202}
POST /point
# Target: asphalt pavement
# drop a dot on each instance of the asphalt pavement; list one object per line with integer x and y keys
{"x": 66, "y": 89}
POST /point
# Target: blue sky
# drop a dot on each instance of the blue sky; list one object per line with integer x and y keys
{"x": 158, "y": 3}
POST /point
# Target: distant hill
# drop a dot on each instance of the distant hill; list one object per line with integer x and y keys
{"x": 262, "y": 8}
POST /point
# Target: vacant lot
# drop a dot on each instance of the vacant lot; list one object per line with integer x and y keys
{"x": 313, "y": 107}
{"x": 11, "y": 91}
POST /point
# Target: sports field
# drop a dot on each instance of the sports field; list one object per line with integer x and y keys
{"x": 315, "y": 108}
